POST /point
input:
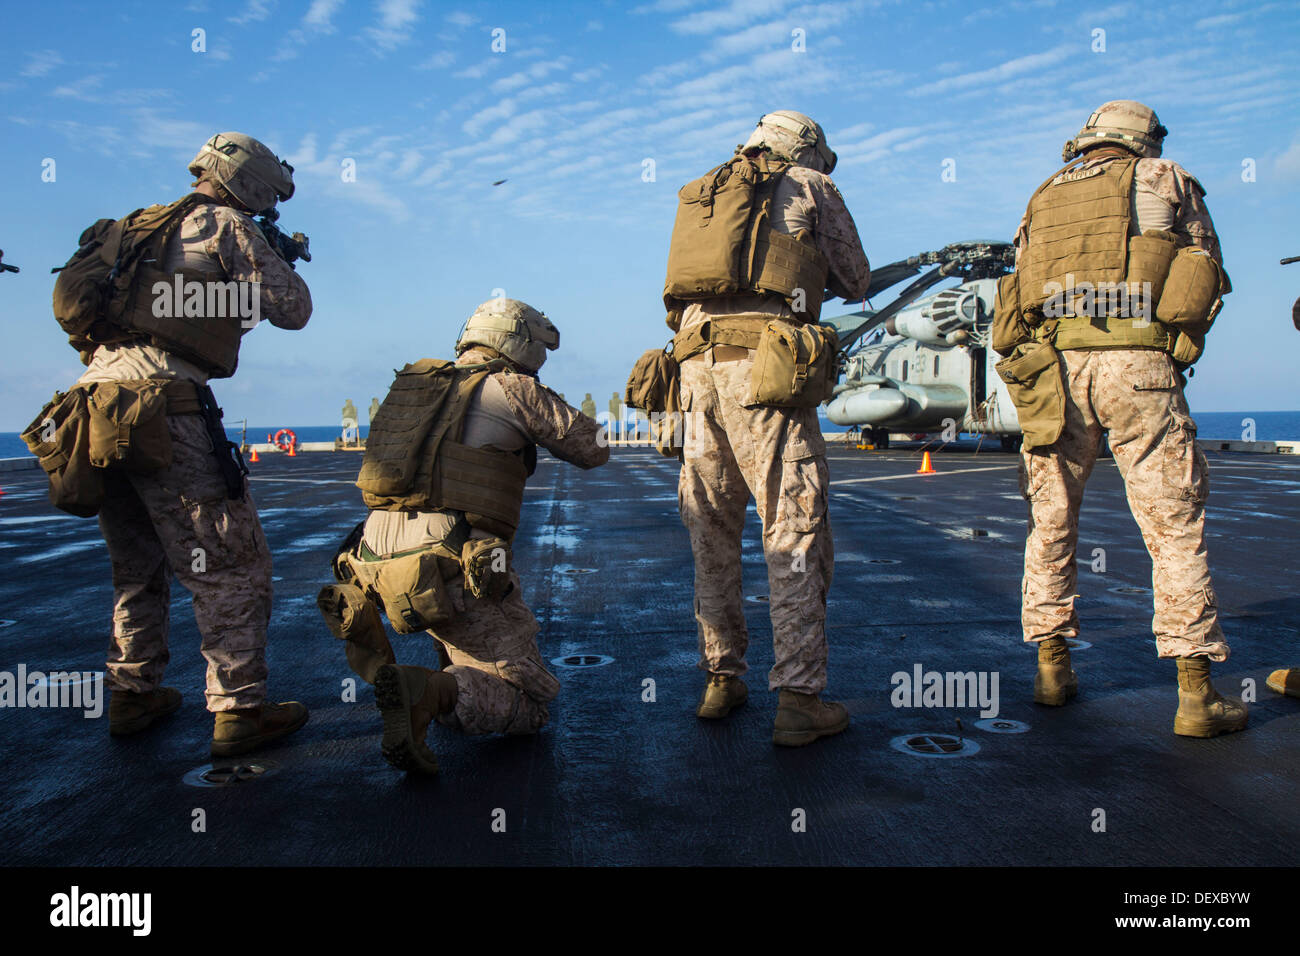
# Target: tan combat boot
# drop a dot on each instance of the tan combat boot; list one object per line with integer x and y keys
{"x": 1285, "y": 682}
{"x": 130, "y": 713}
{"x": 722, "y": 694}
{"x": 1202, "y": 710}
{"x": 240, "y": 731}
{"x": 409, "y": 698}
{"x": 802, "y": 718}
{"x": 1055, "y": 683}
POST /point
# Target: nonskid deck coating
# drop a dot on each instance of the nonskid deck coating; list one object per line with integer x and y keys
{"x": 615, "y": 779}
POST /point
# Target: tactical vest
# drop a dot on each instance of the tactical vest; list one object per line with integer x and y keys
{"x": 723, "y": 242}
{"x": 112, "y": 291}
{"x": 1080, "y": 222}
{"x": 415, "y": 460}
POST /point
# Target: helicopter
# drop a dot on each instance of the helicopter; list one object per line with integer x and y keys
{"x": 923, "y": 363}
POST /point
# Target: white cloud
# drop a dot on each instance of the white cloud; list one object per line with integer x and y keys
{"x": 1222, "y": 20}
{"x": 320, "y": 15}
{"x": 396, "y": 17}
{"x": 459, "y": 18}
{"x": 254, "y": 11}
{"x": 737, "y": 13}
{"x": 524, "y": 77}
{"x": 438, "y": 61}
{"x": 999, "y": 73}
{"x": 41, "y": 62}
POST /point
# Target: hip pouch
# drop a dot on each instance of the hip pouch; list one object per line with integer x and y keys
{"x": 655, "y": 388}
{"x": 60, "y": 439}
{"x": 409, "y": 588}
{"x": 1009, "y": 327}
{"x": 1192, "y": 292}
{"x": 486, "y": 565}
{"x": 128, "y": 426}
{"x": 794, "y": 366}
{"x": 1033, "y": 377}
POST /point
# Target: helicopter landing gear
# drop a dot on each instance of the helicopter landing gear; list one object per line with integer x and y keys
{"x": 1012, "y": 442}
{"x": 880, "y": 438}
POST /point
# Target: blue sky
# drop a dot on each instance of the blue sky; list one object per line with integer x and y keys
{"x": 569, "y": 113}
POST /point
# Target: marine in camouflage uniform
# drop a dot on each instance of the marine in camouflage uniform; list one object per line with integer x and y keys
{"x": 1136, "y": 397}
{"x": 493, "y": 679}
{"x": 777, "y": 455}
{"x": 179, "y": 520}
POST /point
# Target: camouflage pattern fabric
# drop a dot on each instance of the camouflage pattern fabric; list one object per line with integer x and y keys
{"x": 491, "y": 646}
{"x": 153, "y": 525}
{"x": 777, "y": 455}
{"x": 1138, "y": 397}
{"x": 503, "y": 686}
{"x": 212, "y": 237}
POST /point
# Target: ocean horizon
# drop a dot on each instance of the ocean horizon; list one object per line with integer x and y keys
{"x": 1219, "y": 426}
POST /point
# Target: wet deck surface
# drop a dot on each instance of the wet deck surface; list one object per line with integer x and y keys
{"x": 927, "y": 572}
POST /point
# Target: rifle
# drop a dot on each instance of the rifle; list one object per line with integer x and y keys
{"x": 289, "y": 248}
{"x": 4, "y": 266}
{"x": 229, "y": 459}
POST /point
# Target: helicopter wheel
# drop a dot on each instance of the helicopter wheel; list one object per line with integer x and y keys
{"x": 880, "y": 438}
{"x": 1012, "y": 442}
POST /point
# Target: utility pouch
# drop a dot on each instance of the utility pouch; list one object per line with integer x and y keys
{"x": 60, "y": 439}
{"x": 795, "y": 366}
{"x": 128, "y": 426}
{"x": 1009, "y": 328}
{"x": 654, "y": 383}
{"x": 655, "y": 387}
{"x": 1034, "y": 380}
{"x": 1195, "y": 284}
{"x": 409, "y": 587}
{"x": 1149, "y": 259}
{"x": 486, "y": 565}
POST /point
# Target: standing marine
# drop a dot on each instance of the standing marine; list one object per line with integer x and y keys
{"x": 1118, "y": 278}
{"x": 446, "y": 462}
{"x": 156, "y": 304}
{"x": 758, "y": 242}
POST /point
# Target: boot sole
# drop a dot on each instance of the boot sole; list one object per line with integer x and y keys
{"x": 236, "y": 747}
{"x": 143, "y": 722}
{"x": 1206, "y": 729}
{"x": 398, "y": 745}
{"x": 802, "y": 738}
{"x": 1280, "y": 688}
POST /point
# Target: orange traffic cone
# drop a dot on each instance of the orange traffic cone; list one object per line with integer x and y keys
{"x": 253, "y": 457}
{"x": 926, "y": 468}
{"x": 293, "y": 445}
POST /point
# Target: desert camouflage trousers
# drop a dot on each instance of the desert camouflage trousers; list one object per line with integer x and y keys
{"x": 490, "y": 647}
{"x": 179, "y": 521}
{"x": 1137, "y": 396}
{"x": 778, "y": 456}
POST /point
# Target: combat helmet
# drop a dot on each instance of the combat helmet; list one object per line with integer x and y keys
{"x": 253, "y": 175}
{"x": 1125, "y": 123}
{"x": 793, "y": 136}
{"x": 513, "y": 328}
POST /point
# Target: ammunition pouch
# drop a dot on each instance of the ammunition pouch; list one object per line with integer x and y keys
{"x": 128, "y": 426}
{"x": 794, "y": 366}
{"x": 59, "y": 437}
{"x": 1034, "y": 380}
{"x": 486, "y": 565}
{"x": 408, "y": 586}
{"x": 90, "y": 428}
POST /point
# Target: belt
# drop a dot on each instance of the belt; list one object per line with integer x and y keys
{"x": 449, "y": 546}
